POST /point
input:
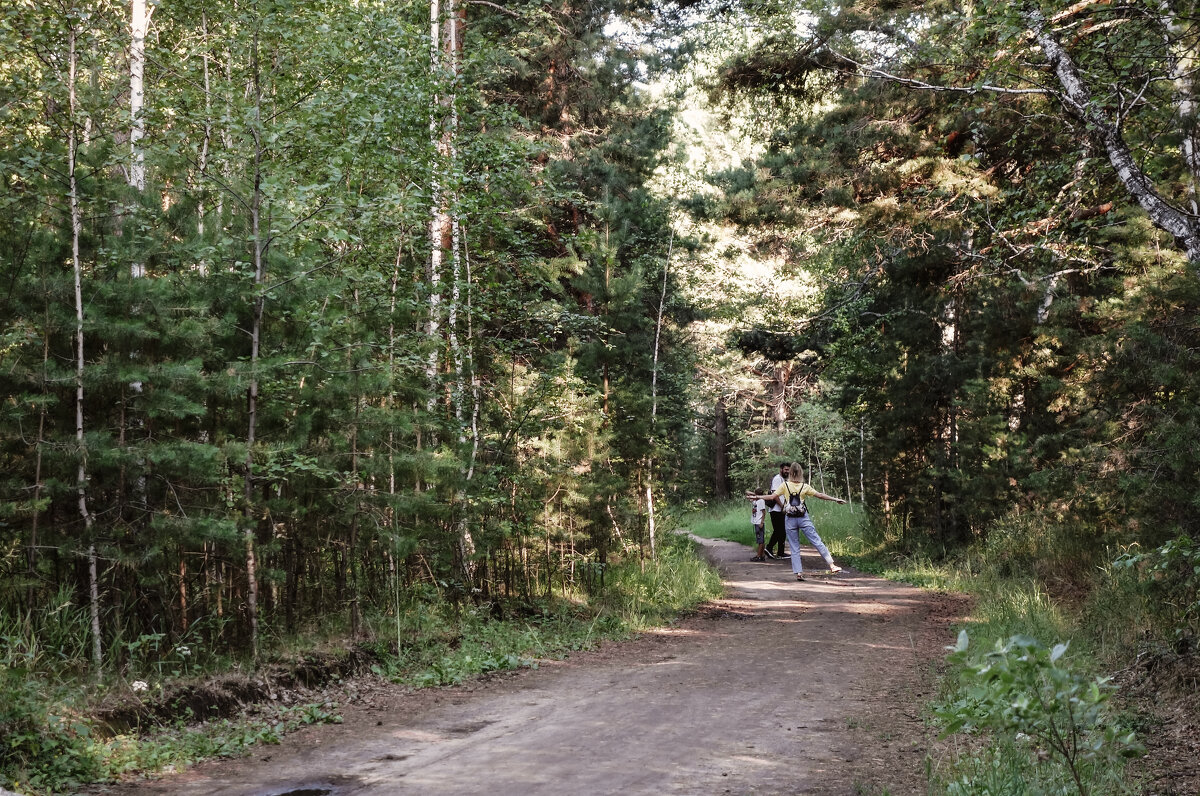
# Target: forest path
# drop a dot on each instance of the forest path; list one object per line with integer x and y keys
{"x": 779, "y": 687}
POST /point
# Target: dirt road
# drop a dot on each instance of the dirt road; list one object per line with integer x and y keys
{"x": 781, "y": 687}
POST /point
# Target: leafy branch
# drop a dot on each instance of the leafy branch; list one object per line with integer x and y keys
{"x": 1023, "y": 689}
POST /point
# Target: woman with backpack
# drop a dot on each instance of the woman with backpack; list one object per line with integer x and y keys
{"x": 790, "y": 496}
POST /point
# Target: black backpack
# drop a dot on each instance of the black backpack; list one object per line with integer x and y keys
{"x": 795, "y": 506}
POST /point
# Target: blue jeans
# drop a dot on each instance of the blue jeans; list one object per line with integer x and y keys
{"x": 793, "y": 526}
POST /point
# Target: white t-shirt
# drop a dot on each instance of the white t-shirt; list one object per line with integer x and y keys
{"x": 759, "y": 513}
{"x": 776, "y": 482}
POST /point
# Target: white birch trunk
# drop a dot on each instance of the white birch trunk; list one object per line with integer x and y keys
{"x": 1077, "y": 97}
{"x": 846, "y": 470}
{"x": 255, "y": 341}
{"x": 390, "y": 402}
{"x": 658, "y": 323}
{"x": 137, "y": 97}
{"x": 438, "y": 217}
{"x": 202, "y": 163}
{"x": 445, "y": 233}
{"x": 139, "y": 23}
{"x": 456, "y": 354}
{"x": 352, "y": 544}
{"x": 1182, "y": 67}
{"x": 454, "y": 46}
{"x": 862, "y": 461}
{"x": 81, "y": 473}
{"x": 391, "y": 395}
{"x": 470, "y": 363}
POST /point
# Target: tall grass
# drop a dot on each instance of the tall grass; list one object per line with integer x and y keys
{"x": 840, "y": 527}
{"x": 666, "y": 586}
{"x": 442, "y": 646}
{"x": 54, "y": 638}
{"x": 729, "y": 520}
{"x": 1013, "y": 577}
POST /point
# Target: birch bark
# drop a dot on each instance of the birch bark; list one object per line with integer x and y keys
{"x": 139, "y": 22}
{"x": 1077, "y": 98}
{"x": 202, "y": 162}
{"x": 1182, "y": 67}
{"x": 81, "y": 473}
{"x": 439, "y": 217}
{"x": 658, "y": 323}
{"x": 447, "y": 21}
{"x": 255, "y": 342}
{"x": 1103, "y": 125}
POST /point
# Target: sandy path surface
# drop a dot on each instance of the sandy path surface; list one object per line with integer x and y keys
{"x": 780, "y": 687}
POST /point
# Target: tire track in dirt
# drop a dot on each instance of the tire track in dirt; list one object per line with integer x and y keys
{"x": 778, "y": 688}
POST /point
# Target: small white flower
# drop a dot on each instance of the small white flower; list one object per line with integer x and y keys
{"x": 139, "y": 685}
{"x": 184, "y": 650}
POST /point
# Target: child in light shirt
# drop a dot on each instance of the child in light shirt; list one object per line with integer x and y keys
{"x": 758, "y": 516}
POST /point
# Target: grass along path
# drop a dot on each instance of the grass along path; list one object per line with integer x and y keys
{"x": 1027, "y": 647}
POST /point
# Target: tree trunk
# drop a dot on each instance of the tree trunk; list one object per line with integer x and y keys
{"x": 782, "y": 373}
{"x": 721, "y": 450}
{"x": 183, "y": 595}
{"x": 862, "y": 460}
{"x": 1182, "y": 72}
{"x": 650, "y": 513}
{"x": 390, "y": 403}
{"x": 255, "y": 341}
{"x": 1077, "y": 97}
{"x": 846, "y": 470}
{"x": 817, "y": 461}
{"x": 445, "y": 46}
{"x": 447, "y": 21}
{"x": 355, "y": 607}
{"x": 475, "y": 386}
{"x": 139, "y": 23}
{"x": 31, "y": 555}
{"x": 81, "y": 473}
{"x": 202, "y": 159}
{"x": 658, "y": 324}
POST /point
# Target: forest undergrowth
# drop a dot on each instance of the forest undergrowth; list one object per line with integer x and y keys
{"x": 1075, "y": 672}
{"x": 62, "y": 732}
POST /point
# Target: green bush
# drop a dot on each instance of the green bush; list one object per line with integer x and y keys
{"x": 39, "y": 750}
{"x": 182, "y": 745}
{"x": 1170, "y": 576}
{"x": 1032, "y": 703}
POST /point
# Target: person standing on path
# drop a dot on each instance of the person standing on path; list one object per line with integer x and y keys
{"x": 758, "y": 510}
{"x": 790, "y": 496}
{"x": 777, "y": 529}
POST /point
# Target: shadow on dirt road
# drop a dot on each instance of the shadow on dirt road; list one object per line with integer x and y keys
{"x": 779, "y": 688}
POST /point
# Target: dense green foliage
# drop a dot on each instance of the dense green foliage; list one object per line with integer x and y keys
{"x": 1024, "y": 691}
{"x": 287, "y": 412}
{"x": 409, "y": 317}
{"x": 1015, "y": 332}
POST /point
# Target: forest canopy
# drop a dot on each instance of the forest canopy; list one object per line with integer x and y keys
{"x": 309, "y": 303}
